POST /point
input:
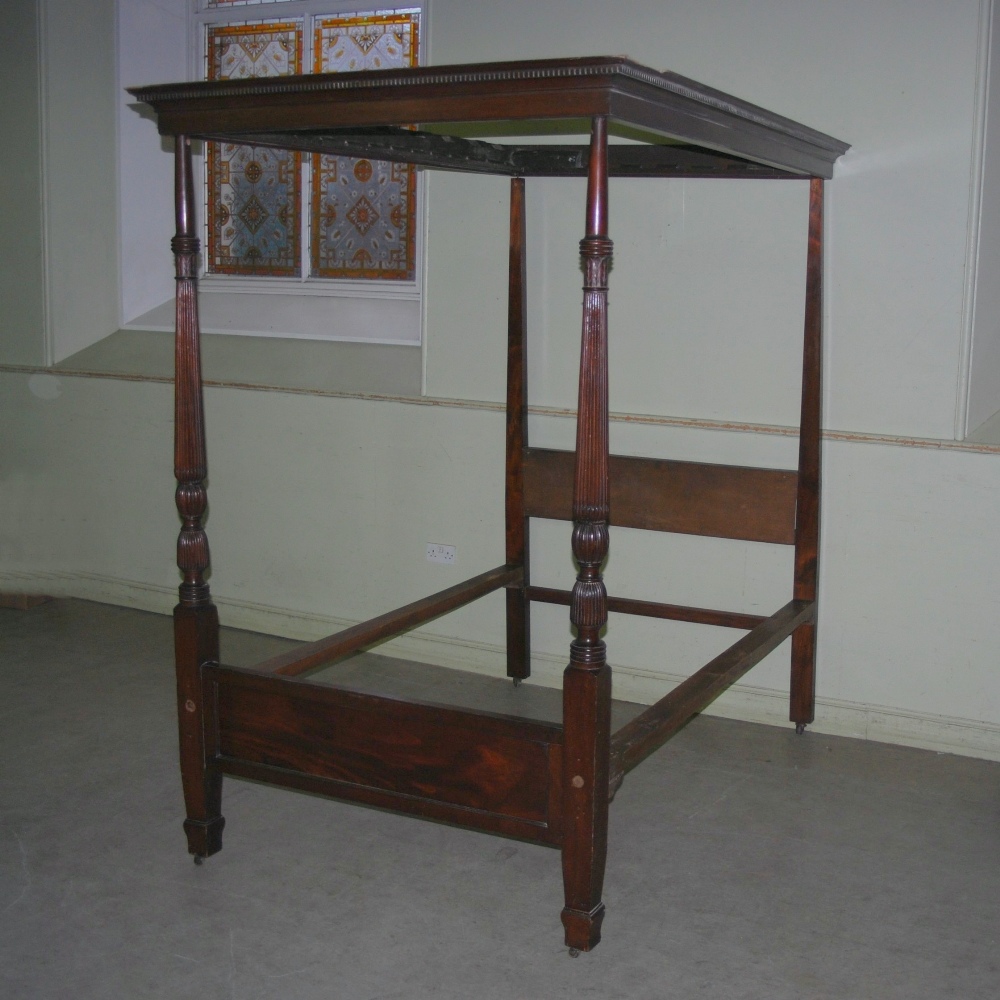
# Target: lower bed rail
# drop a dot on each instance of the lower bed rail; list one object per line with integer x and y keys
{"x": 490, "y": 772}
{"x": 647, "y": 732}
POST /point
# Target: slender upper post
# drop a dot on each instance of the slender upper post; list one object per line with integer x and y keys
{"x": 807, "y": 515}
{"x": 517, "y": 544}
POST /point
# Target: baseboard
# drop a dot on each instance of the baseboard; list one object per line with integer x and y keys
{"x": 835, "y": 717}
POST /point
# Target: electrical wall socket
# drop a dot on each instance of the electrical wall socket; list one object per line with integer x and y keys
{"x": 441, "y": 553}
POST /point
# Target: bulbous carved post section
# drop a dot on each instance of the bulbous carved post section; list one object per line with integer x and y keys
{"x": 802, "y": 707}
{"x": 190, "y": 464}
{"x": 587, "y": 679}
{"x": 196, "y": 621}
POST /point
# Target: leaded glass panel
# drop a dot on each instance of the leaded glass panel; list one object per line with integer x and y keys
{"x": 239, "y": 3}
{"x": 364, "y": 211}
{"x": 254, "y": 197}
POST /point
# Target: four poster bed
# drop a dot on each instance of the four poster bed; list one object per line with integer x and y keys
{"x": 542, "y": 782}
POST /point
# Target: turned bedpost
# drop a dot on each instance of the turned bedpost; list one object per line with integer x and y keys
{"x": 196, "y": 622}
{"x": 587, "y": 679}
{"x": 518, "y": 604}
{"x": 803, "y": 680}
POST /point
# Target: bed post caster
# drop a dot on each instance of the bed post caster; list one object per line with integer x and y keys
{"x": 517, "y": 682}
{"x": 199, "y": 859}
{"x": 800, "y": 728}
{"x": 574, "y": 952}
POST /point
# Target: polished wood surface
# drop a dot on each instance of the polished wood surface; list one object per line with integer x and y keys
{"x": 587, "y": 679}
{"x": 323, "y": 652}
{"x": 653, "y": 609}
{"x": 650, "y": 730}
{"x": 691, "y": 498}
{"x": 196, "y": 622}
{"x": 547, "y": 783}
{"x": 802, "y": 708}
{"x": 475, "y": 769}
{"x": 517, "y": 533}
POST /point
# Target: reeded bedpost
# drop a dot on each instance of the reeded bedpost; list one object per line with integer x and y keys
{"x": 196, "y": 621}
{"x": 587, "y": 679}
{"x": 802, "y": 707}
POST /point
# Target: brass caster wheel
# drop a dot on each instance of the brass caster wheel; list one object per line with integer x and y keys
{"x": 800, "y": 728}
{"x": 574, "y": 953}
{"x": 199, "y": 860}
{"x": 517, "y": 682}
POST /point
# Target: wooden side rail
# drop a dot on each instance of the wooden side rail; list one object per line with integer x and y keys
{"x": 651, "y": 609}
{"x": 647, "y": 732}
{"x": 325, "y": 651}
{"x": 490, "y": 772}
{"x": 694, "y": 498}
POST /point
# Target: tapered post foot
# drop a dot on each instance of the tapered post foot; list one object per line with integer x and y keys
{"x": 583, "y": 930}
{"x": 204, "y": 837}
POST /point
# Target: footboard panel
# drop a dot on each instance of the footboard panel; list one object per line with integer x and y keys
{"x": 489, "y": 772}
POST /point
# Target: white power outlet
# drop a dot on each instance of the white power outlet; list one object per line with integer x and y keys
{"x": 441, "y": 553}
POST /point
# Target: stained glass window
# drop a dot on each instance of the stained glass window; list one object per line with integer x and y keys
{"x": 255, "y": 194}
{"x": 240, "y": 3}
{"x": 362, "y": 213}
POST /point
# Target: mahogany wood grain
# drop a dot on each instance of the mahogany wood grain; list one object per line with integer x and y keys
{"x": 649, "y": 731}
{"x": 196, "y": 621}
{"x": 325, "y": 651}
{"x": 587, "y": 679}
{"x": 652, "y": 609}
{"x": 694, "y": 498}
{"x": 481, "y": 770}
{"x": 518, "y": 606}
{"x": 802, "y": 702}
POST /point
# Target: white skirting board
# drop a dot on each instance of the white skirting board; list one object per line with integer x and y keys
{"x": 743, "y": 701}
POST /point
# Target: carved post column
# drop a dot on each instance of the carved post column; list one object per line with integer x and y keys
{"x": 587, "y": 679}
{"x": 196, "y": 621}
{"x": 803, "y": 681}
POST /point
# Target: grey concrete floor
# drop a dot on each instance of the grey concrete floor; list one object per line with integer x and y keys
{"x": 744, "y": 862}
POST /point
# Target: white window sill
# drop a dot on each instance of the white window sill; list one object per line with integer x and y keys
{"x": 353, "y": 318}
{"x": 364, "y": 369}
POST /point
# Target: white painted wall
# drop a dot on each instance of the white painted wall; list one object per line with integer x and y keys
{"x": 145, "y": 171}
{"x": 321, "y": 506}
{"x": 78, "y": 184}
{"x": 22, "y": 276}
{"x": 896, "y": 78}
{"x": 984, "y": 367}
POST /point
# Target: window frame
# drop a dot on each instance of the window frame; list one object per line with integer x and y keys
{"x": 306, "y": 286}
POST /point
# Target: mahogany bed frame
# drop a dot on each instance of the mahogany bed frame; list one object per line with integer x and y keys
{"x": 542, "y": 782}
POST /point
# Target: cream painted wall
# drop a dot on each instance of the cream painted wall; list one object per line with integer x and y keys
{"x": 144, "y": 167}
{"x": 335, "y": 530}
{"x": 984, "y": 368}
{"x": 896, "y": 78}
{"x": 81, "y": 204}
{"x": 22, "y": 309}
{"x": 321, "y": 506}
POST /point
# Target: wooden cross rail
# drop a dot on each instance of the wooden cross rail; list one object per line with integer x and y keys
{"x": 647, "y": 732}
{"x": 325, "y": 651}
{"x": 652, "y": 609}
